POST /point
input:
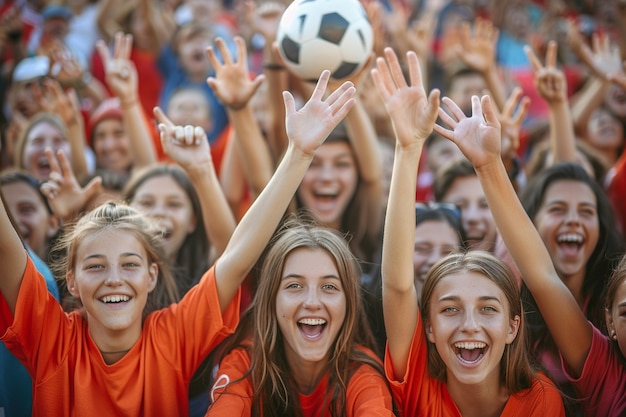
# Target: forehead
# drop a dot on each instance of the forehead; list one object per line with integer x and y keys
{"x": 162, "y": 186}
{"x": 334, "y": 149}
{"x": 110, "y": 243}
{"x": 436, "y": 232}
{"x": 44, "y": 127}
{"x": 467, "y": 187}
{"x": 308, "y": 261}
{"x": 570, "y": 191}
{"x": 20, "y": 191}
{"x": 467, "y": 286}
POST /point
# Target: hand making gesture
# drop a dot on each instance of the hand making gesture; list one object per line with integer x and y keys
{"x": 412, "y": 112}
{"x": 478, "y": 136}
{"x": 231, "y": 83}
{"x": 121, "y": 74}
{"x": 549, "y": 80}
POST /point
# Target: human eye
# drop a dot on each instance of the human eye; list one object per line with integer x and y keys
{"x": 490, "y": 309}
{"x": 330, "y": 287}
{"x": 449, "y": 309}
{"x": 94, "y": 266}
{"x": 144, "y": 203}
{"x": 423, "y": 249}
{"x": 293, "y": 285}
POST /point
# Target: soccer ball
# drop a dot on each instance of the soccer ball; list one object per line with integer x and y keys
{"x": 314, "y": 35}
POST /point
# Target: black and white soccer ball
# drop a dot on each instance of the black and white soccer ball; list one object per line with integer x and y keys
{"x": 314, "y": 35}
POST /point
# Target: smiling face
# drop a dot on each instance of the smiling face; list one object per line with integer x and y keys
{"x": 615, "y": 99}
{"x": 329, "y": 183}
{"x": 469, "y": 323}
{"x": 164, "y": 200}
{"x": 310, "y": 308}
{"x": 604, "y": 131}
{"x": 112, "y": 146}
{"x": 480, "y": 228}
{"x": 567, "y": 221}
{"x": 193, "y": 58}
{"x": 190, "y": 107}
{"x": 616, "y": 317}
{"x": 434, "y": 239}
{"x": 43, "y": 135}
{"x": 112, "y": 276}
{"x": 34, "y": 221}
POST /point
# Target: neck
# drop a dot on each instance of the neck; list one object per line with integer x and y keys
{"x": 307, "y": 375}
{"x": 486, "y": 399}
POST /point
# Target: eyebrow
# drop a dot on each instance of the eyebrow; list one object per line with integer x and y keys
{"x": 99, "y": 256}
{"x": 298, "y": 276}
{"x": 457, "y": 298}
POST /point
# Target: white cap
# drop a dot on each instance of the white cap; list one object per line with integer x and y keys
{"x": 31, "y": 67}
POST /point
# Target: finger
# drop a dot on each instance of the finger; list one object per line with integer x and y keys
{"x": 242, "y": 55}
{"x": 93, "y": 187}
{"x": 189, "y": 135}
{"x": 510, "y": 104}
{"x": 432, "y": 109}
{"x": 126, "y": 46}
{"x": 446, "y": 118}
{"x": 52, "y": 161}
{"x": 224, "y": 51}
{"x": 215, "y": 63}
{"x": 49, "y": 189}
{"x": 415, "y": 72}
{"x": 380, "y": 86}
{"x": 256, "y": 83}
{"x": 66, "y": 167}
{"x": 522, "y": 111}
{"x": 199, "y": 135}
{"x": 320, "y": 87}
{"x": 394, "y": 67}
{"x": 486, "y": 107}
{"x": 179, "y": 134}
{"x": 455, "y": 110}
{"x": 290, "y": 104}
{"x": 442, "y": 131}
{"x": 385, "y": 83}
{"x": 534, "y": 61}
{"x": 340, "y": 94}
{"x": 103, "y": 51}
{"x": 162, "y": 118}
{"x": 551, "y": 55}
{"x": 117, "y": 49}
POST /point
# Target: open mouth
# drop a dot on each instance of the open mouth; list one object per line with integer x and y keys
{"x": 312, "y": 328}
{"x": 470, "y": 352}
{"x": 114, "y": 299}
{"x": 570, "y": 243}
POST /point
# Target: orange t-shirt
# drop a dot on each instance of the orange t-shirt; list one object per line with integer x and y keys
{"x": 367, "y": 393}
{"x": 419, "y": 394}
{"x": 70, "y": 378}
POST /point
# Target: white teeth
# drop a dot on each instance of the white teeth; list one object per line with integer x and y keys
{"x": 115, "y": 298}
{"x": 570, "y": 238}
{"x": 470, "y": 345}
{"x": 312, "y": 322}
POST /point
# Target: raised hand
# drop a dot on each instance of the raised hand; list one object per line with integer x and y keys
{"x": 64, "y": 194}
{"x": 412, "y": 112}
{"x": 511, "y": 119}
{"x": 478, "y": 49}
{"x": 120, "y": 71}
{"x": 478, "y": 136}
{"x": 549, "y": 80}
{"x": 264, "y": 18}
{"x": 56, "y": 100}
{"x": 232, "y": 84}
{"x": 187, "y": 145}
{"x": 308, "y": 127}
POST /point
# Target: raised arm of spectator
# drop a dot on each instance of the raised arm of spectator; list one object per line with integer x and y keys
{"x": 264, "y": 21}
{"x": 188, "y": 146}
{"x": 478, "y": 137}
{"x": 307, "y": 128}
{"x": 413, "y": 114}
{"x": 65, "y": 104}
{"x": 551, "y": 85}
{"x": 477, "y": 49}
{"x": 234, "y": 88}
{"x": 122, "y": 79}
{"x": 604, "y": 63}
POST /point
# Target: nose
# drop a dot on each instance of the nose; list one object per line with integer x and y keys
{"x": 470, "y": 324}
{"x": 434, "y": 256}
{"x": 470, "y": 214}
{"x": 114, "y": 278}
{"x": 572, "y": 217}
{"x": 326, "y": 172}
{"x": 312, "y": 300}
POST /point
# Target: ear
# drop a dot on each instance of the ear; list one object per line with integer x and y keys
{"x": 71, "y": 284}
{"x": 53, "y": 227}
{"x": 610, "y": 326}
{"x": 513, "y": 329}
{"x": 153, "y": 276}
{"x": 429, "y": 332}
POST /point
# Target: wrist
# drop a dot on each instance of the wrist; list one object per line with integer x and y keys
{"x": 272, "y": 66}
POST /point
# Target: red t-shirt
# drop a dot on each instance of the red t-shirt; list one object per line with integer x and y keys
{"x": 70, "y": 378}
{"x": 419, "y": 394}
{"x": 367, "y": 393}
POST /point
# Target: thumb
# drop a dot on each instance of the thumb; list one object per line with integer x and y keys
{"x": 93, "y": 188}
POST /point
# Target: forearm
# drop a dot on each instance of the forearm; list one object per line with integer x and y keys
{"x": 495, "y": 87}
{"x": 562, "y": 136}
{"x": 76, "y": 134}
{"x": 586, "y": 101}
{"x": 12, "y": 258}
{"x": 219, "y": 221}
{"x": 277, "y": 82}
{"x": 255, "y": 157}
{"x": 138, "y": 131}
{"x": 364, "y": 142}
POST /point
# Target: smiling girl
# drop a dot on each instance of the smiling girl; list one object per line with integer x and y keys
{"x": 123, "y": 355}
{"x": 462, "y": 352}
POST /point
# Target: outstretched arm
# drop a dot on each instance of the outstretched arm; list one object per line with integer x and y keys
{"x": 478, "y": 137}
{"x": 413, "y": 114}
{"x": 12, "y": 258}
{"x": 188, "y": 146}
{"x": 307, "y": 128}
